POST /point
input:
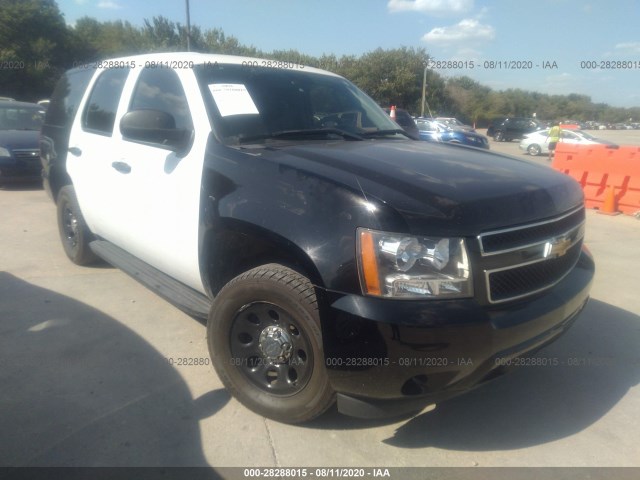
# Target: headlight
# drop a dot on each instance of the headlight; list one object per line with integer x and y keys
{"x": 396, "y": 265}
{"x": 4, "y": 152}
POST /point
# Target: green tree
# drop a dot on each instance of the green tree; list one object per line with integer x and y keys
{"x": 215, "y": 41}
{"x": 33, "y": 46}
{"x": 107, "y": 39}
{"x": 161, "y": 35}
{"x": 469, "y": 99}
{"x": 391, "y": 77}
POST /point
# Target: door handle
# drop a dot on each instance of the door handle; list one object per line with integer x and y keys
{"x": 75, "y": 151}
{"x": 122, "y": 167}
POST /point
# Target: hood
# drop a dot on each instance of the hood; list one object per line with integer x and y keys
{"x": 19, "y": 139}
{"x": 439, "y": 189}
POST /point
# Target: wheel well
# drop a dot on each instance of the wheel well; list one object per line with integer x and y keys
{"x": 236, "y": 250}
{"x": 57, "y": 180}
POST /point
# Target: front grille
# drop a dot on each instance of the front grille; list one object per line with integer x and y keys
{"x": 524, "y": 260}
{"x": 28, "y": 155}
{"x": 529, "y": 279}
{"x": 513, "y": 238}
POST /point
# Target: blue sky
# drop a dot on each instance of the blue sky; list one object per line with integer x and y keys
{"x": 542, "y": 32}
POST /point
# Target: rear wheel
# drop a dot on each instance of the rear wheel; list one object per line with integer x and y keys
{"x": 74, "y": 233}
{"x": 266, "y": 345}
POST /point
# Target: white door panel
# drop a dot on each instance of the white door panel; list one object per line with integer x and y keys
{"x": 160, "y": 220}
{"x": 162, "y": 216}
{"x": 89, "y": 160}
{"x": 151, "y": 208}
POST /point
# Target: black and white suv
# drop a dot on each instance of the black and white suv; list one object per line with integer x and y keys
{"x": 333, "y": 256}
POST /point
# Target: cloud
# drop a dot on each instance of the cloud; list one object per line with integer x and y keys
{"x": 108, "y": 4}
{"x": 628, "y": 47}
{"x": 430, "y": 6}
{"x": 467, "y": 30}
{"x": 466, "y": 53}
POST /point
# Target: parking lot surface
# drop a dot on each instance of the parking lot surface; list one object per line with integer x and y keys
{"x": 98, "y": 371}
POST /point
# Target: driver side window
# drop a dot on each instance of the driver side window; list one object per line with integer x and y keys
{"x": 161, "y": 89}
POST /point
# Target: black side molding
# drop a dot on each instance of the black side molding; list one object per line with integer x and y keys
{"x": 185, "y": 298}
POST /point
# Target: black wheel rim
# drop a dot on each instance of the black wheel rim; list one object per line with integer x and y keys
{"x": 70, "y": 228}
{"x": 271, "y": 349}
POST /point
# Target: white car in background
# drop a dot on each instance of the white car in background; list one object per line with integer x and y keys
{"x": 537, "y": 143}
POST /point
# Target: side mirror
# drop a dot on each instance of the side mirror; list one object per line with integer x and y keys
{"x": 157, "y": 128}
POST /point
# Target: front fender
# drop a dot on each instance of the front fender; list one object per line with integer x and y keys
{"x": 256, "y": 209}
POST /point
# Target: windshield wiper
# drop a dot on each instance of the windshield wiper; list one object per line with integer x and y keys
{"x": 297, "y": 134}
{"x": 380, "y": 133}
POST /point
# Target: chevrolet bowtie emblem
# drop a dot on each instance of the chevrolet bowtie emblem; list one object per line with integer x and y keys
{"x": 557, "y": 246}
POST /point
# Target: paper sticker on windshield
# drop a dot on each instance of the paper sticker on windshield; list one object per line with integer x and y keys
{"x": 232, "y": 99}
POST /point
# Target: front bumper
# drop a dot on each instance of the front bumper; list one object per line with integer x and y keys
{"x": 16, "y": 171}
{"x": 387, "y": 357}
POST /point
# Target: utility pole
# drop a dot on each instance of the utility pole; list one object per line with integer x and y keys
{"x": 424, "y": 93}
{"x": 424, "y": 89}
{"x": 188, "y": 27}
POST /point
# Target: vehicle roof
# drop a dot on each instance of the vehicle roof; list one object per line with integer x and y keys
{"x": 14, "y": 104}
{"x": 203, "y": 58}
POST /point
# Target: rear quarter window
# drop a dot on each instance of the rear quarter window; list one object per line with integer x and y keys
{"x": 100, "y": 112}
{"x": 66, "y": 97}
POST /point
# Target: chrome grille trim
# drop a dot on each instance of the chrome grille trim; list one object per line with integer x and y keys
{"x": 482, "y": 236}
{"x": 531, "y": 266}
{"x": 26, "y": 154}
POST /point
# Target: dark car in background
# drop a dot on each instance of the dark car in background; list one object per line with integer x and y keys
{"x": 496, "y": 122}
{"x": 434, "y": 131}
{"x": 20, "y": 124}
{"x": 513, "y": 128}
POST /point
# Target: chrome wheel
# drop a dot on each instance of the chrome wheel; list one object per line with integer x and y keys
{"x": 534, "y": 149}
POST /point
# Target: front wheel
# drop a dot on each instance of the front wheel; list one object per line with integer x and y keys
{"x": 499, "y": 137}
{"x": 534, "y": 149}
{"x": 265, "y": 343}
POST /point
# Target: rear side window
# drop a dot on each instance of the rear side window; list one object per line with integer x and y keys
{"x": 66, "y": 97}
{"x": 161, "y": 89}
{"x": 100, "y": 112}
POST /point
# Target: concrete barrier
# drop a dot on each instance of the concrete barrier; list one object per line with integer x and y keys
{"x": 597, "y": 167}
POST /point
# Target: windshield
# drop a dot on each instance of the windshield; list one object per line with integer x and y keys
{"x": 586, "y": 135}
{"x": 249, "y": 104}
{"x": 21, "y": 118}
{"x": 431, "y": 126}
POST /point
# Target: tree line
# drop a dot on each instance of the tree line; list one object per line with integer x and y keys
{"x": 36, "y": 46}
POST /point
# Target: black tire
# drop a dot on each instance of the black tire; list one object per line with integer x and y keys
{"x": 265, "y": 343}
{"x": 74, "y": 233}
{"x": 534, "y": 149}
{"x": 499, "y": 136}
